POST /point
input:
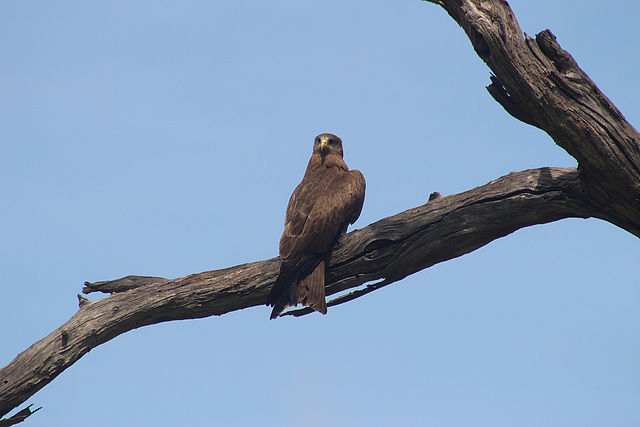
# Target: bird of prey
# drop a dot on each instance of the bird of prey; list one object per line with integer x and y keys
{"x": 328, "y": 199}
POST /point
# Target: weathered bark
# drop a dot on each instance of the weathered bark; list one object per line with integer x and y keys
{"x": 389, "y": 249}
{"x": 535, "y": 81}
{"x": 538, "y": 82}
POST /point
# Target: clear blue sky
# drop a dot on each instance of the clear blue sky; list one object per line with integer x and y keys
{"x": 164, "y": 138}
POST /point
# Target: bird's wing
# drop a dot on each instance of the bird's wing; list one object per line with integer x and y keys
{"x": 319, "y": 212}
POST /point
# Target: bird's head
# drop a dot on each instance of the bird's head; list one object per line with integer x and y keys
{"x": 327, "y": 143}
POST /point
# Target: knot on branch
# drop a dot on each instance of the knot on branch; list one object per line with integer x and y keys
{"x": 82, "y": 301}
{"x": 434, "y": 196}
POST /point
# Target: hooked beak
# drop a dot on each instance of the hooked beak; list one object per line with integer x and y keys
{"x": 323, "y": 144}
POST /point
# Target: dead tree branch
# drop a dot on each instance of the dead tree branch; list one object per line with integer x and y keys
{"x": 389, "y": 249}
{"x": 534, "y": 80}
{"x": 539, "y": 83}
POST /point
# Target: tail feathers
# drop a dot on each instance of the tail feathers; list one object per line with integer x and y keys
{"x": 288, "y": 298}
{"x": 309, "y": 291}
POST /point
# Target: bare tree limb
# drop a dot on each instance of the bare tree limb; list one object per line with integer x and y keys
{"x": 389, "y": 249}
{"x": 539, "y": 83}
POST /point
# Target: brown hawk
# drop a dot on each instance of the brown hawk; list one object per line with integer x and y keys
{"x": 328, "y": 199}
